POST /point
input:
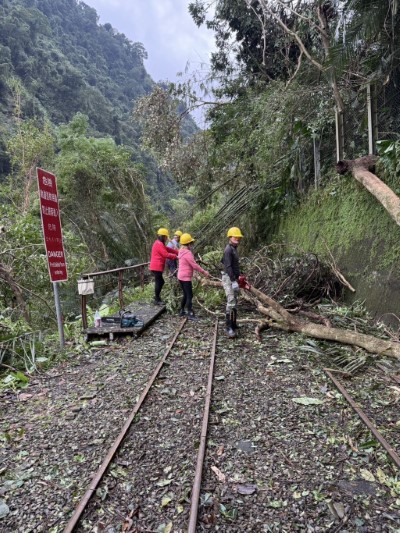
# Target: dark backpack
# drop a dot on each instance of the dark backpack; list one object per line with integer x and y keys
{"x": 129, "y": 320}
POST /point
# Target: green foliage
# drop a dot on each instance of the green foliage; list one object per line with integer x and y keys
{"x": 371, "y": 28}
{"x": 211, "y": 298}
{"x": 282, "y": 72}
{"x": 23, "y": 256}
{"x": 346, "y": 220}
{"x": 103, "y": 194}
{"x": 168, "y": 135}
{"x": 29, "y": 145}
{"x": 137, "y": 294}
{"x": 157, "y": 113}
{"x": 244, "y": 44}
{"x": 11, "y": 326}
{"x": 389, "y": 152}
{"x": 201, "y": 218}
{"x": 14, "y": 381}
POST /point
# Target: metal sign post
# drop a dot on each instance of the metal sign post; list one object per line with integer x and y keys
{"x": 59, "y": 314}
{"x": 52, "y": 233}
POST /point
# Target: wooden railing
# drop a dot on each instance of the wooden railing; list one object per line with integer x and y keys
{"x": 120, "y": 271}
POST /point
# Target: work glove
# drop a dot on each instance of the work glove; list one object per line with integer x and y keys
{"x": 243, "y": 283}
{"x": 235, "y": 286}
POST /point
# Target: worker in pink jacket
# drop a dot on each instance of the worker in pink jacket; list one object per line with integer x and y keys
{"x": 159, "y": 254}
{"x": 186, "y": 267}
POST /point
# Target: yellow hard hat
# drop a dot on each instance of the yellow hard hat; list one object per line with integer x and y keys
{"x": 163, "y": 231}
{"x": 178, "y": 232}
{"x": 234, "y": 232}
{"x": 186, "y": 238}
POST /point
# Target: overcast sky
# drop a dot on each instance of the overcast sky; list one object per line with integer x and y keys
{"x": 166, "y": 30}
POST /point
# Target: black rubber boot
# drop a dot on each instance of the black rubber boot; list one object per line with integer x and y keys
{"x": 229, "y": 326}
{"x": 182, "y": 312}
{"x": 234, "y": 319}
{"x": 192, "y": 316}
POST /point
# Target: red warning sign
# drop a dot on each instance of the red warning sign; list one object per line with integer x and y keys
{"x": 51, "y": 222}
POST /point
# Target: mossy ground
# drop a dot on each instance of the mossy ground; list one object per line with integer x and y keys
{"x": 344, "y": 219}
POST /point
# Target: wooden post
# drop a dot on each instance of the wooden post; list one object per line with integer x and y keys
{"x": 317, "y": 160}
{"x": 339, "y": 135}
{"x": 84, "y": 311}
{"x": 372, "y": 118}
{"x": 120, "y": 295}
{"x": 142, "y": 277}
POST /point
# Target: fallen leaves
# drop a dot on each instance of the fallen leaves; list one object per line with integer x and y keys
{"x": 165, "y": 501}
{"x": 164, "y": 482}
{"x": 246, "y": 489}
{"x": 307, "y": 401}
{"x": 4, "y": 509}
{"x": 221, "y": 477}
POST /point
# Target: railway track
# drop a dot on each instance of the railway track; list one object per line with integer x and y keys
{"x": 150, "y": 482}
{"x": 163, "y": 473}
{"x": 270, "y": 465}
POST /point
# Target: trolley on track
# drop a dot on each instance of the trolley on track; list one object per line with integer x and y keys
{"x": 145, "y": 313}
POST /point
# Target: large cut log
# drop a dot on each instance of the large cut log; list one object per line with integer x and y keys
{"x": 362, "y": 170}
{"x": 280, "y": 318}
{"x": 367, "y": 342}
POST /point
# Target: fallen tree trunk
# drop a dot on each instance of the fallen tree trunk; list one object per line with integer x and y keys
{"x": 280, "y": 318}
{"x": 362, "y": 170}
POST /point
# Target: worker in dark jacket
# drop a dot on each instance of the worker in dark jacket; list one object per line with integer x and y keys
{"x": 230, "y": 279}
{"x": 159, "y": 254}
{"x": 175, "y": 244}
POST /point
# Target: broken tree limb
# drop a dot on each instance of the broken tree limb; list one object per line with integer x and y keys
{"x": 280, "y": 318}
{"x": 367, "y": 342}
{"x": 314, "y": 316}
{"x": 342, "y": 279}
{"x": 362, "y": 170}
{"x": 337, "y": 272}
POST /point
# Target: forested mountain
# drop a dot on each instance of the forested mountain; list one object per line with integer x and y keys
{"x": 67, "y": 63}
{"x": 68, "y": 86}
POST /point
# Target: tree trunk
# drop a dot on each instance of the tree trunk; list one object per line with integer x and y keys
{"x": 368, "y": 342}
{"x": 280, "y": 318}
{"x": 361, "y": 170}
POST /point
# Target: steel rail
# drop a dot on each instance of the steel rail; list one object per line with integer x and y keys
{"x": 392, "y": 454}
{"x": 117, "y": 443}
{"x": 194, "y": 508}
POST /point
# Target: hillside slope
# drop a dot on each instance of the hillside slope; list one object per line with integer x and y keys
{"x": 67, "y": 63}
{"x": 344, "y": 219}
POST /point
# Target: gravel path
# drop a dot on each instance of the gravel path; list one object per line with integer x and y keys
{"x": 272, "y": 464}
{"x": 287, "y": 466}
{"x": 54, "y": 440}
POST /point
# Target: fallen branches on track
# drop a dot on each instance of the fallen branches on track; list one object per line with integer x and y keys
{"x": 280, "y": 318}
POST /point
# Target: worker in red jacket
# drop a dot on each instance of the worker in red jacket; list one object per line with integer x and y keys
{"x": 159, "y": 254}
